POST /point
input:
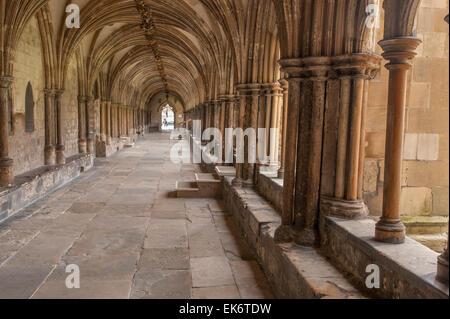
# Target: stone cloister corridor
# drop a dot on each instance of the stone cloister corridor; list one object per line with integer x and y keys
{"x": 128, "y": 237}
{"x": 235, "y": 149}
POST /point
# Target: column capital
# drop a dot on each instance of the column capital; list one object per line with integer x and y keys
{"x": 249, "y": 89}
{"x": 357, "y": 65}
{"x": 228, "y": 98}
{"x": 284, "y": 84}
{"x": 50, "y": 92}
{"x": 6, "y": 81}
{"x": 309, "y": 68}
{"x": 399, "y": 51}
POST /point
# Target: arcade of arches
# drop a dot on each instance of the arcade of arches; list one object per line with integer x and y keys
{"x": 358, "y": 175}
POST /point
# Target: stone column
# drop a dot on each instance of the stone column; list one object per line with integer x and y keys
{"x": 275, "y": 124}
{"x": 249, "y": 107}
{"x": 119, "y": 121}
{"x": 344, "y": 138}
{"x": 49, "y": 150}
{"x": 399, "y": 51}
{"x": 6, "y": 163}
{"x": 284, "y": 119}
{"x": 103, "y": 121}
{"x": 108, "y": 123}
{"x": 60, "y": 148}
{"x": 90, "y": 124}
{"x": 442, "y": 269}
{"x": 82, "y": 144}
{"x": 127, "y": 121}
{"x": 283, "y": 233}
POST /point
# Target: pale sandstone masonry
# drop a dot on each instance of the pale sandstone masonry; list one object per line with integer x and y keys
{"x": 426, "y": 157}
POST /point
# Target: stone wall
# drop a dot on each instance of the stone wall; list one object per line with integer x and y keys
{"x": 27, "y": 148}
{"x": 426, "y": 165}
{"x": 70, "y": 110}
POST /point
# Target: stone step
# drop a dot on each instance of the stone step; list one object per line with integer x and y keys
{"x": 436, "y": 242}
{"x": 425, "y": 225}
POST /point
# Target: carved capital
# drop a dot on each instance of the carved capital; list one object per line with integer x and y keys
{"x": 400, "y": 51}
{"x": 6, "y": 81}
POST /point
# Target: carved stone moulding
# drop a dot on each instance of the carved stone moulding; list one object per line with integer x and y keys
{"x": 345, "y": 209}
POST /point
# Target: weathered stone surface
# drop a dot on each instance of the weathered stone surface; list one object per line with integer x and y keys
{"x": 21, "y": 281}
{"x": 136, "y": 250}
{"x": 162, "y": 284}
{"x": 164, "y": 233}
{"x": 204, "y": 240}
{"x": 211, "y": 272}
{"x": 161, "y": 258}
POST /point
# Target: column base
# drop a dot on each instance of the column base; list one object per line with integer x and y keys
{"x": 442, "y": 269}
{"x": 49, "y": 155}
{"x": 304, "y": 237}
{"x": 108, "y": 140}
{"x": 345, "y": 209}
{"x": 60, "y": 157}
{"x": 390, "y": 231}
{"x": 281, "y": 173}
{"x": 6, "y": 172}
{"x": 82, "y": 146}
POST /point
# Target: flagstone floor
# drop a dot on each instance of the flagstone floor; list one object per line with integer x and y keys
{"x": 129, "y": 239}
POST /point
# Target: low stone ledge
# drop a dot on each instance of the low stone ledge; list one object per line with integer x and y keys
{"x": 406, "y": 271}
{"x": 106, "y": 150}
{"x": 34, "y": 185}
{"x": 271, "y": 189}
{"x": 294, "y": 272}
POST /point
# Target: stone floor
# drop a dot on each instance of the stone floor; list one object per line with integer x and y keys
{"x": 128, "y": 237}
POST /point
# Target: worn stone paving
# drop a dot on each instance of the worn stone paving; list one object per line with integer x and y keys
{"x": 128, "y": 237}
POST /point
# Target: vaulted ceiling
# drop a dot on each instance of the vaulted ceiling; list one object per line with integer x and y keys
{"x": 203, "y": 47}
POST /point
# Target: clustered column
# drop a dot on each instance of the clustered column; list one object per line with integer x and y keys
{"x": 82, "y": 143}
{"x": 60, "y": 148}
{"x": 6, "y": 163}
{"x": 284, "y": 118}
{"x": 344, "y": 138}
{"x": 314, "y": 156}
{"x": 248, "y": 118}
{"x": 49, "y": 150}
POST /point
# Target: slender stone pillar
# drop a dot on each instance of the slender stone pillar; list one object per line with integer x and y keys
{"x": 442, "y": 269}
{"x": 6, "y": 163}
{"x": 60, "y": 148}
{"x": 119, "y": 121}
{"x": 249, "y": 103}
{"x": 283, "y": 233}
{"x": 103, "y": 121}
{"x": 108, "y": 123}
{"x": 128, "y": 123}
{"x": 90, "y": 124}
{"x": 399, "y": 51}
{"x": 49, "y": 150}
{"x": 82, "y": 144}
{"x": 274, "y": 124}
{"x": 284, "y": 119}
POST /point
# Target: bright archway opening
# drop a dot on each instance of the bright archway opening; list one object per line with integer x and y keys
{"x": 167, "y": 118}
